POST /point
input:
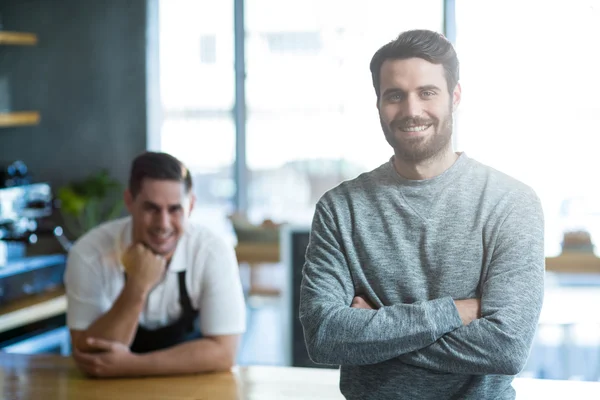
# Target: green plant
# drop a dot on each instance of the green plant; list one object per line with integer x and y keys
{"x": 87, "y": 203}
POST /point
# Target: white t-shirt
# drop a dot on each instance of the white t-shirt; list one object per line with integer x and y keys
{"x": 94, "y": 278}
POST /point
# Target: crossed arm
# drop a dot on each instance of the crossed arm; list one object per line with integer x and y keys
{"x": 429, "y": 334}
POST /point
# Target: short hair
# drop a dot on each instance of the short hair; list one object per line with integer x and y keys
{"x": 160, "y": 166}
{"x": 428, "y": 45}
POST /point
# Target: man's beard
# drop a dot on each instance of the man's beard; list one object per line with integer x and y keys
{"x": 419, "y": 149}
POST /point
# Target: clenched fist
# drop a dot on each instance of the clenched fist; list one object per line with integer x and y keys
{"x": 143, "y": 267}
{"x": 362, "y": 302}
{"x": 469, "y": 310}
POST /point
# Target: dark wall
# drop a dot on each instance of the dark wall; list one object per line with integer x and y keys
{"x": 87, "y": 77}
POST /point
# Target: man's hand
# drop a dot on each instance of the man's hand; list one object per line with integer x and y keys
{"x": 469, "y": 310}
{"x": 143, "y": 267}
{"x": 361, "y": 302}
{"x": 109, "y": 359}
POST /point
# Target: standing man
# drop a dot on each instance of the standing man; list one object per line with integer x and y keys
{"x": 137, "y": 286}
{"x": 424, "y": 277}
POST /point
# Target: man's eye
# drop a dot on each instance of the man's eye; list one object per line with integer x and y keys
{"x": 428, "y": 93}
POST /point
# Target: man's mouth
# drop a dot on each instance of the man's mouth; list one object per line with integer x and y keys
{"x": 414, "y": 128}
{"x": 161, "y": 236}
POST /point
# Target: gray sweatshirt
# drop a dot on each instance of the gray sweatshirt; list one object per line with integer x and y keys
{"x": 412, "y": 247}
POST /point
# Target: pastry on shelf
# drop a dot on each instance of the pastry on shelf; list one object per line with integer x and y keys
{"x": 246, "y": 232}
{"x": 577, "y": 241}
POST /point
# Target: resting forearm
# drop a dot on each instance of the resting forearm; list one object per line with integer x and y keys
{"x": 341, "y": 335}
{"x": 203, "y": 355}
{"x": 119, "y": 324}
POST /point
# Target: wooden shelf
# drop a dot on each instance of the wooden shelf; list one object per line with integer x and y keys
{"x": 574, "y": 263}
{"x": 18, "y": 38}
{"x": 256, "y": 253}
{"x": 32, "y": 309}
{"x": 22, "y": 118}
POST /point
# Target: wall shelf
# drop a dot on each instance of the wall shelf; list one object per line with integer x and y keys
{"x": 32, "y": 309}
{"x": 573, "y": 262}
{"x": 22, "y": 118}
{"x": 18, "y": 38}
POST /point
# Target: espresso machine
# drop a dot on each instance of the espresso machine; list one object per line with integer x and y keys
{"x": 26, "y": 211}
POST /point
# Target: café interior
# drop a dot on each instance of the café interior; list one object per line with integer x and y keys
{"x": 270, "y": 104}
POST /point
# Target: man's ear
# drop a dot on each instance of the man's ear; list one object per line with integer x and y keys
{"x": 192, "y": 202}
{"x": 456, "y": 96}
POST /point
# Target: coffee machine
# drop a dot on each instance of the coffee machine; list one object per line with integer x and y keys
{"x": 26, "y": 211}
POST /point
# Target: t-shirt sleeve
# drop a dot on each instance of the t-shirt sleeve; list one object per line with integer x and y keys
{"x": 86, "y": 301}
{"x": 222, "y": 306}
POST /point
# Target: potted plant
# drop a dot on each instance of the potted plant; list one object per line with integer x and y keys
{"x": 89, "y": 202}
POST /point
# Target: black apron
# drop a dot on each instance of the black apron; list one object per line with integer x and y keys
{"x": 182, "y": 330}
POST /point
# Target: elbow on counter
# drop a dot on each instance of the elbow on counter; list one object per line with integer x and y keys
{"x": 224, "y": 359}
{"x": 223, "y": 365}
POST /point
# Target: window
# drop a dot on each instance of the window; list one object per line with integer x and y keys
{"x": 208, "y": 49}
{"x": 530, "y": 106}
{"x": 312, "y": 120}
{"x": 294, "y": 42}
{"x": 530, "y": 109}
{"x": 197, "y": 94}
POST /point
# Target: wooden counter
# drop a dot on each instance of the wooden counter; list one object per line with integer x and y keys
{"x": 54, "y": 377}
{"x": 32, "y": 309}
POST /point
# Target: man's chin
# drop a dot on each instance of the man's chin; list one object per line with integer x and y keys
{"x": 419, "y": 149}
{"x": 165, "y": 252}
{"x": 412, "y": 150}
{"x": 160, "y": 250}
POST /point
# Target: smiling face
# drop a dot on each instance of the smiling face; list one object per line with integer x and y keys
{"x": 159, "y": 213}
{"x": 415, "y": 108}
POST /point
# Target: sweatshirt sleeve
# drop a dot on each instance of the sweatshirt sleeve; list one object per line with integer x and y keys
{"x": 511, "y": 301}
{"x": 337, "y": 334}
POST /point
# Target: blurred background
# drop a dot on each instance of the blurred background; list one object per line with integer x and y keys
{"x": 270, "y": 103}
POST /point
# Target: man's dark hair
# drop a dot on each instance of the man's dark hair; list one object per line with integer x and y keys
{"x": 428, "y": 45}
{"x": 160, "y": 166}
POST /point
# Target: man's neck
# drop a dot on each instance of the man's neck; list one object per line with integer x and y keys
{"x": 425, "y": 169}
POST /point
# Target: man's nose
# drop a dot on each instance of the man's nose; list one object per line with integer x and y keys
{"x": 163, "y": 219}
{"x": 412, "y": 107}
